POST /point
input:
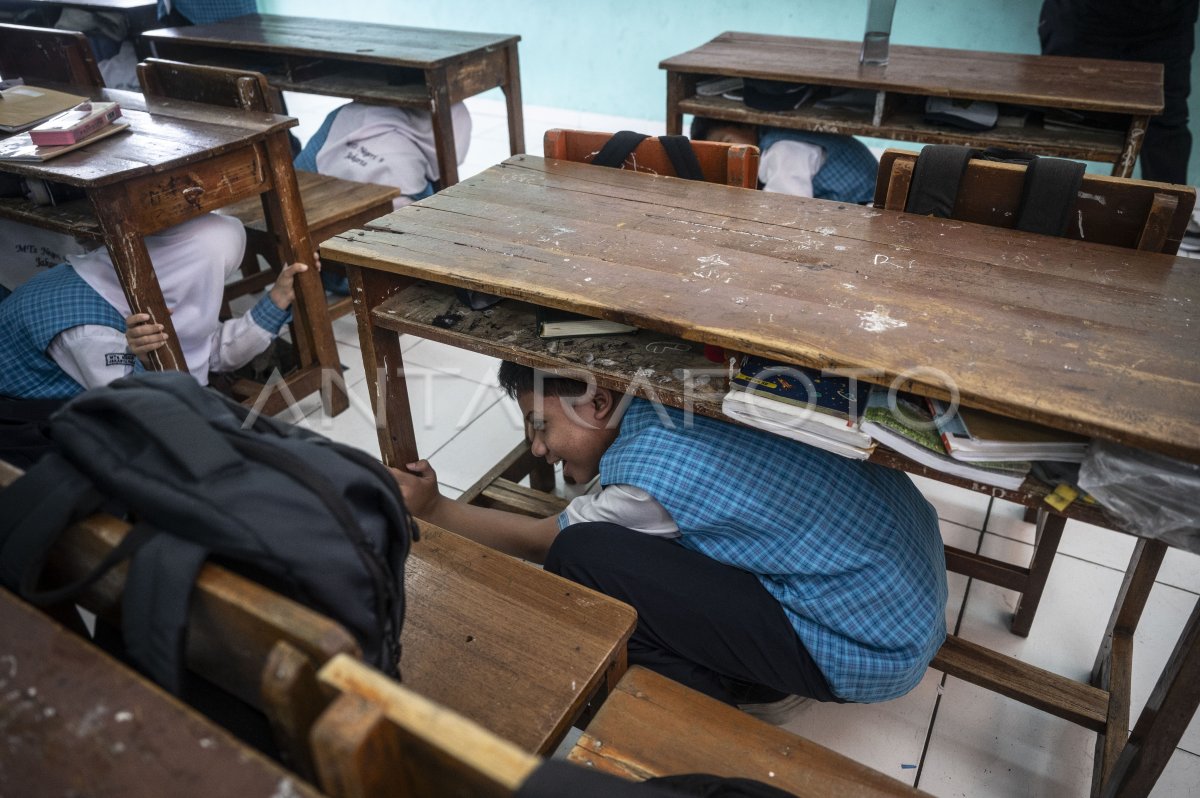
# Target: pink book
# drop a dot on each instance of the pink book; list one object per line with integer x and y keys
{"x": 76, "y": 124}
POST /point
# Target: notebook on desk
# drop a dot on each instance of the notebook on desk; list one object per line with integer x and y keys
{"x": 23, "y": 107}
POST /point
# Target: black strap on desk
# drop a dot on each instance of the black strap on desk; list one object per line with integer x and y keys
{"x": 1047, "y": 194}
{"x": 678, "y": 149}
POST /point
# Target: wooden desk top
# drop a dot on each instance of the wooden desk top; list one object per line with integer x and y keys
{"x": 514, "y": 648}
{"x": 1078, "y": 336}
{"x": 163, "y": 134}
{"x": 393, "y": 45}
{"x": 1127, "y": 87}
{"x": 77, "y": 722}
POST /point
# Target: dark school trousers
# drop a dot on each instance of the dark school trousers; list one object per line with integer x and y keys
{"x": 1168, "y": 142}
{"x": 705, "y": 624}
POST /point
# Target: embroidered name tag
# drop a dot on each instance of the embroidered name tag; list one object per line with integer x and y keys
{"x": 120, "y": 359}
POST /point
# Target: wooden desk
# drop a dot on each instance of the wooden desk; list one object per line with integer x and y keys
{"x": 177, "y": 161}
{"x": 77, "y": 722}
{"x": 370, "y": 63}
{"x": 1078, "y": 336}
{"x": 1130, "y": 91}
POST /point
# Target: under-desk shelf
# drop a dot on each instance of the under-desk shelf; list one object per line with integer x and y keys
{"x": 652, "y": 364}
{"x": 904, "y": 124}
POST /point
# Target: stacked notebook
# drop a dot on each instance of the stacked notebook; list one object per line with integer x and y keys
{"x": 802, "y": 404}
{"x": 76, "y": 127}
{"x": 976, "y": 436}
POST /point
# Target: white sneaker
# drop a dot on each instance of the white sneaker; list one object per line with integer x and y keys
{"x": 777, "y": 713}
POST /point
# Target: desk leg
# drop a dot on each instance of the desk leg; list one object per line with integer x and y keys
{"x": 1133, "y": 145}
{"x": 1163, "y": 721}
{"x": 512, "y": 98}
{"x": 384, "y": 366}
{"x": 679, "y": 86}
{"x": 285, "y": 221}
{"x": 443, "y": 129}
{"x": 117, "y": 218}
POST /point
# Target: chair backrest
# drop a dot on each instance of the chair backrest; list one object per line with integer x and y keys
{"x": 251, "y": 642}
{"x": 230, "y": 88}
{"x": 47, "y": 54}
{"x": 731, "y": 164}
{"x": 1122, "y": 212}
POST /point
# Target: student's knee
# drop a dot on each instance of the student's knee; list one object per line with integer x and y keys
{"x": 224, "y": 237}
{"x": 578, "y": 543}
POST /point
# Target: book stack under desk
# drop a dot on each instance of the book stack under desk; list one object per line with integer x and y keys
{"x": 651, "y": 361}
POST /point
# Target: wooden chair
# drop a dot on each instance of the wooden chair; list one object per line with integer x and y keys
{"x": 331, "y": 205}
{"x": 1121, "y": 212}
{"x": 48, "y": 54}
{"x": 731, "y": 164}
{"x": 379, "y": 738}
{"x": 247, "y": 640}
{"x": 77, "y": 722}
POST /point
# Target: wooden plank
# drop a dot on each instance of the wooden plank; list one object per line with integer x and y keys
{"x": 392, "y": 45}
{"x": 802, "y": 281}
{"x": 326, "y": 201}
{"x": 76, "y": 722}
{"x": 414, "y": 741}
{"x": 1076, "y": 702}
{"x": 510, "y": 646}
{"x": 515, "y": 498}
{"x": 652, "y": 726}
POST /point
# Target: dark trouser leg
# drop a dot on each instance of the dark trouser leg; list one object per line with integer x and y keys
{"x": 704, "y": 624}
{"x": 1168, "y": 143}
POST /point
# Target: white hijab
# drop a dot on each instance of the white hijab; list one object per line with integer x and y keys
{"x": 389, "y": 146}
{"x": 192, "y": 261}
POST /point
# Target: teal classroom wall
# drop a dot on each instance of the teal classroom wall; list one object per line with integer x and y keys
{"x": 602, "y": 55}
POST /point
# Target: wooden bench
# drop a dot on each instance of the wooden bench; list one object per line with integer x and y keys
{"x": 731, "y": 164}
{"x": 249, "y": 641}
{"x": 77, "y": 722}
{"x": 520, "y": 651}
{"x": 378, "y": 735}
{"x": 48, "y": 54}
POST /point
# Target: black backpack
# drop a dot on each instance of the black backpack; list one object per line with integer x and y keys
{"x": 315, "y": 520}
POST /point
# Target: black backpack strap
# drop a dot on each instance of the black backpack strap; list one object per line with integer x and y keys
{"x": 683, "y": 157}
{"x": 936, "y": 178}
{"x": 617, "y": 149}
{"x": 1048, "y": 195}
{"x": 34, "y": 510}
{"x": 154, "y": 607}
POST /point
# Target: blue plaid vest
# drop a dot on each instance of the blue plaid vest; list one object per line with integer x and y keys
{"x": 53, "y": 301}
{"x": 848, "y": 174}
{"x": 851, "y": 550}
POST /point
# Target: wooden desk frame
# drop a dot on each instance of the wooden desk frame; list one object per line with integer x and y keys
{"x": 299, "y": 54}
{"x": 385, "y": 305}
{"x": 138, "y": 199}
{"x": 1027, "y": 80}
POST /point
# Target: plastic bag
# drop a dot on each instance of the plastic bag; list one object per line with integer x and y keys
{"x": 1150, "y": 494}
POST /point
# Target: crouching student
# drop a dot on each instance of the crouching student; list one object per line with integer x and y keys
{"x": 801, "y": 162}
{"x": 384, "y": 145}
{"x": 761, "y": 569}
{"x": 66, "y": 329}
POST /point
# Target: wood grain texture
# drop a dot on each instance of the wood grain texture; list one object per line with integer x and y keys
{"x": 420, "y": 48}
{"x": 652, "y": 726}
{"x": 514, "y": 648}
{"x": 1081, "y": 337}
{"x": 77, "y": 722}
{"x": 1079, "y": 83}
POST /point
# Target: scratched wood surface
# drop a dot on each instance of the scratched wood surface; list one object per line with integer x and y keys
{"x": 77, "y": 722}
{"x": 514, "y": 648}
{"x": 1079, "y": 336}
{"x": 163, "y": 134}
{"x": 1126, "y": 87}
{"x": 420, "y": 48}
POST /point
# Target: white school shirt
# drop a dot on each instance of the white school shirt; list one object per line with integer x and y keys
{"x": 788, "y": 167}
{"x": 626, "y": 505}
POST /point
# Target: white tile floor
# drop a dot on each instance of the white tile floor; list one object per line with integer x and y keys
{"x": 947, "y": 737}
